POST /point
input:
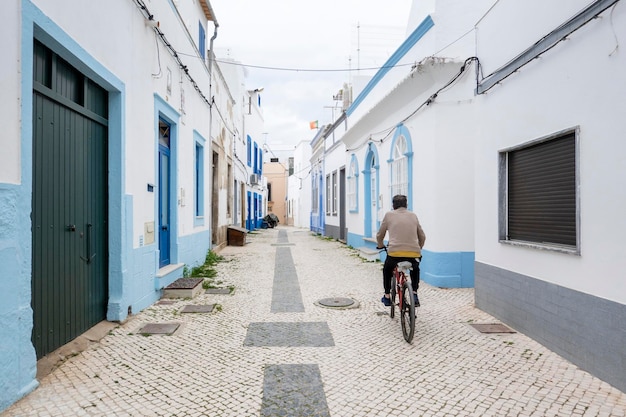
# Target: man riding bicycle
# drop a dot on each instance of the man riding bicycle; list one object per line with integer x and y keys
{"x": 406, "y": 239}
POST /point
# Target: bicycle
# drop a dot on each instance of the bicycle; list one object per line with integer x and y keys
{"x": 406, "y": 303}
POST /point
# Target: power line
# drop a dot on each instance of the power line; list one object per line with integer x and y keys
{"x": 310, "y": 69}
{"x": 426, "y": 103}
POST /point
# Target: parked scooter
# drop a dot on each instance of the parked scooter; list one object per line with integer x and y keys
{"x": 271, "y": 220}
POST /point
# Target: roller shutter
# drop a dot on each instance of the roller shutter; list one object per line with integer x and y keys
{"x": 541, "y": 204}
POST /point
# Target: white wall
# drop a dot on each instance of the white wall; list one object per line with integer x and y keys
{"x": 299, "y": 192}
{"x": 334, "y": 159}
{"x": 10, "y": 85}
{"x": 234, "y": 76}
{"x": 454, "y": 24}
{"x": 580, "y": 83}
{"x": 441, "y": 136}
{"x": 510, "y": 28}
{"x": 144, "y": 72}
{"x": 112, "y": 44}
{"x": 419, "y": 10}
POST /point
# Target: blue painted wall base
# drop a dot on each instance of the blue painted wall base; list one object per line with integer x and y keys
{"x": 439, "y": 269}
{"x": 448, "y": 269}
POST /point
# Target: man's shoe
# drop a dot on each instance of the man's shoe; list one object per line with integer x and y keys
{"x": 386, "y": 301}
{"x": 417, "y": 300}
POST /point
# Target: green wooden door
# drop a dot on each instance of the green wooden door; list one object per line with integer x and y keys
{"x": 69, "y": 218}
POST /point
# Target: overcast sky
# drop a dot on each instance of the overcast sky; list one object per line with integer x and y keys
{"x": 318, "y": 41}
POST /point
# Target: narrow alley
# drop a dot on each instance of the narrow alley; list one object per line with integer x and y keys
{"x": 272, "y": 346}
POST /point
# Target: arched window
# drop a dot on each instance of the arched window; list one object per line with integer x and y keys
{"x": 399, "y": 167}
{"x": 372, "y": 198}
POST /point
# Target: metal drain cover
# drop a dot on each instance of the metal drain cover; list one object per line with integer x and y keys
{"x": 336, "y": 302}
{"x": 193, "y": 308}
{"x": 218, "y": 291}
{"x": 159, "y": 328}
{"x": 492, "y": 328}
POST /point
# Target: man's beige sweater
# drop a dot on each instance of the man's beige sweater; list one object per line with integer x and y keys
{"x": 406, "y": 237}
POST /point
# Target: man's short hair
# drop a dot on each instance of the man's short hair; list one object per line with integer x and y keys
{"x": 398, "y": 201}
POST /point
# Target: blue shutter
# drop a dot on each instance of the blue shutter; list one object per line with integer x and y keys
{"x": 201, "y": 40}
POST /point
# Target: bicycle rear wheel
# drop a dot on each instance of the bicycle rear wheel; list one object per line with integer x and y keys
{"x": 392, "y": 299}
{"x": 407, "y": 315}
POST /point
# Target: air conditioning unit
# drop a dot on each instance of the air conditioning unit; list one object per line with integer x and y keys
{"x": 254, "y": 179}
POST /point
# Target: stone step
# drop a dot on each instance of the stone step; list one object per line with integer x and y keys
{"x": 369, "y": 254}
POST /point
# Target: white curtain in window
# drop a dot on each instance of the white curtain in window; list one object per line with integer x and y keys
{"x": 328, "y": 195}
{"x": 399, "y": 168}
{"x": 352, "y": 186}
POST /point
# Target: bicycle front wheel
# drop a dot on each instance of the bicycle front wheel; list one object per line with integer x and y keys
{"x": 407, "y": 315}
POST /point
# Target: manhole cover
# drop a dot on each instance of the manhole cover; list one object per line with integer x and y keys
{"x": 338, "y": 302}
{"x": 193, "y": 308}
{"x": 159, "y": 328}
{"x": 217, "y": 291}
{"x": 492, "y": 328}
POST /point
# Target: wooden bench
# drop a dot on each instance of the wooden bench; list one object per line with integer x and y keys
{"x": 236, "y": 236}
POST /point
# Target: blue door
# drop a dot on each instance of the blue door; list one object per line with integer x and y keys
{"x": 249, "y": 210}
{"x": 164, "y": 193}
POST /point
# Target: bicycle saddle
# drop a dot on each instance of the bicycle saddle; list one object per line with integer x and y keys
{"x": 405, "y": 265}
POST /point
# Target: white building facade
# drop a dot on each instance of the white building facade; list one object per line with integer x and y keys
{"x": 256, "y": 194}
{"x": 508, "y": 148}
{"x": 247, "y": 123}
{"x": 334, "y": 175}
{"x": 104, "y": 170}
{"x": 410, "y": 132}
{"x": 549, "y": 172}
{"x": 299, "y": 187}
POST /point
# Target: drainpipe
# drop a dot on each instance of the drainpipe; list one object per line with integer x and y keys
{"x": 211, "y": 53}
{"x": 211, "y": 58}
{"x": 212, "y": 103}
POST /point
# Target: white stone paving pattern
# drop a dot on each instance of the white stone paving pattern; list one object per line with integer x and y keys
{"x": 204, "y": 369}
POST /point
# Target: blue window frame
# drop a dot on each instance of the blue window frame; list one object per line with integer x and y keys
{"x": 371, "y": 188}
{"x": 256, "y": 158}
{"x": 198, "y": 181}
{"x": 198, "y": 177}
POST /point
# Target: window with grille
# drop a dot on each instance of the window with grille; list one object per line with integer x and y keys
{"x": 327, "y": 194}
{"x": 538, "y": 198}
{"x": 314, "y": 193}
{"x": 334, "y": 197}
{"x": 399, "y": 168}
{"x": 229, "y": 192}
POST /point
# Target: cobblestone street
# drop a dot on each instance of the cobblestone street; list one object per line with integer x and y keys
{"x": 269, "y": 349}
